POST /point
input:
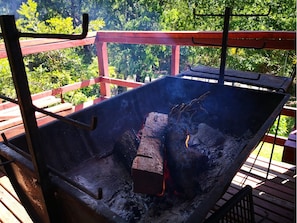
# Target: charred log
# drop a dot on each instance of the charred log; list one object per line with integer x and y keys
{"x": 186, "y": 161}
{"x": 125, "y": 148}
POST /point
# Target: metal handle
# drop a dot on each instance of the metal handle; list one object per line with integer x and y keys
{"x": 261, "y": 46}
{"x": 15, "y": 148}
{"x": 70, "y": 121}
{"x": 85, "y": 25}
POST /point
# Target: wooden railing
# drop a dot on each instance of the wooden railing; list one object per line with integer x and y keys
{"x": 259, "y": 39}
{"x": 245, "y": 39}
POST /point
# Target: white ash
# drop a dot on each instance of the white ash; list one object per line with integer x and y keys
{"x": 221, "y": 149}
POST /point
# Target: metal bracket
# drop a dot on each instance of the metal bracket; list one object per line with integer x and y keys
{"x": 15, "y": 148}
{"x": 219, "y": 45}
{"x": 70, "y": 121}
{"x": 224, "y": 45}
{"x": 85, "y": 25}
{"x": 226, "y": 75}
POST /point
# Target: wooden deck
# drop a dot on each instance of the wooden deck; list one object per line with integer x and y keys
{"x": 274, "y": 199}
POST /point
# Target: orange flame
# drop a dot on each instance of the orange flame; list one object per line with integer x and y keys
{"x": 187, "y": 141}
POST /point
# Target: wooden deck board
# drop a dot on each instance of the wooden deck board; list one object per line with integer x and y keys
{"x": 274, "y": 199}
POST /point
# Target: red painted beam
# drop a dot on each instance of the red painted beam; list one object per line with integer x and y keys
{"x": 289, "y": 111}
{"x": 175, "y": 57}
{"x": 124, "y": 83}
{"x": 254, "y": 39}
{"x": 102, "y": 58}
{"x": 42, "y": 45}
{"x": 66, "y": 88}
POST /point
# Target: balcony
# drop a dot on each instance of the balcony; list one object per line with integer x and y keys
{"x": 274, "y": 188}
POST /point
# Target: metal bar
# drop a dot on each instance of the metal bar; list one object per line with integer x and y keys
{"x": 97, "y": 196}
{"x": 15, "y": 148}
{"x": 84, "y": 33}
{"x": 273, "y": 146}
{"x": 224, "y": 45}
{"x": 263, "y": 44}
{"x": 226, "y": 75}
{"x": 12, "y": 44}
{"x": 9, "y": 99}
{"x": 70, "y": 121}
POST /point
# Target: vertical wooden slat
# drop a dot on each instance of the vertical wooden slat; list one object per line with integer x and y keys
{"x": 103, "y": 67}
{"x": 175, "y": 57}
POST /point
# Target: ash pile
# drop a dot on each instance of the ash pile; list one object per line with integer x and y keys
{"x": 174, "y": 160}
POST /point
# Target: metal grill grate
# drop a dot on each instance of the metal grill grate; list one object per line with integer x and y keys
{"x": 239, "y": 208}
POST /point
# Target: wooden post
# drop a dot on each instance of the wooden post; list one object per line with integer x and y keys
{"x": 175, "y": 56}
{"x": 102, "y": 57}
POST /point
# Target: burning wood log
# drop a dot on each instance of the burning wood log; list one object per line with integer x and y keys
{"x": 125, "y": 148}
{"x": 186, "y": 162}
{"x": 147, "y": 167}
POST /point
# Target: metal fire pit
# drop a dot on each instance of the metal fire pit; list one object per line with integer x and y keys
{"x": 63, "y": 173}
{"x": 84, "y": 172}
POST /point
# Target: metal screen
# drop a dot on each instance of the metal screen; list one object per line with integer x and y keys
{"x": 239, "y": 209}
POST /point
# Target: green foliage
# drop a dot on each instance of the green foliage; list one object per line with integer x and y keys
{"x": 28, "y": 17}
{"x": 6, "y": 86}
{"x": 96, "y": 25}
{"x": 266, "y": 150}
{"x": 54, "y": 69}
{"x": 285, "y": 126}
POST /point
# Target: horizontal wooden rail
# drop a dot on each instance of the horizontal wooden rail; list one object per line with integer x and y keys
{"x": 289, "y": 111}
{"x": 67, "y": 88}
{"x": 279, "y": 140}
{"x": 57, "y": 91}
{"x": 255, "y": 39}
{"x": 123, "y": 83}
{"x": 32, "y": 46}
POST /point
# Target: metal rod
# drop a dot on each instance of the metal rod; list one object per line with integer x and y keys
{"x": 273, "y": 146}
{"x": 97, "y": 196}
{"x": 9, "y": 99}
{"x": 224, "y": 45}
{"x": 15, "y": 58}
{"x": 85, "y": 24}
{"x": 263, "y": 44}
{"x": 215, "y": 73}
{"x": 15, "y": 148}
{"x": 70, "y": 121}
